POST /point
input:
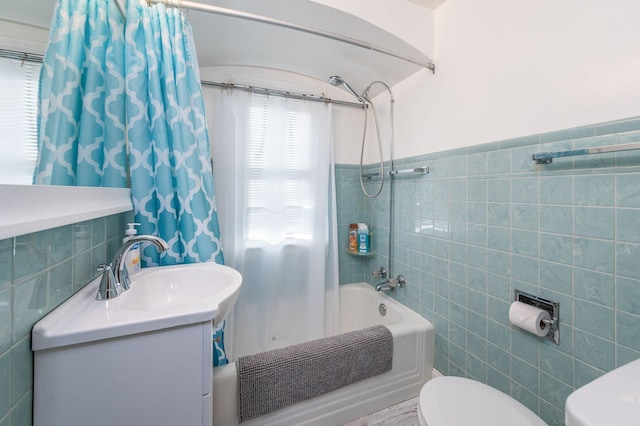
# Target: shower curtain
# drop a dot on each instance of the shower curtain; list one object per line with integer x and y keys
{"x": 273, "y": 165}
{"x": 171, "y": 178}
{"x": 81, "y": 128}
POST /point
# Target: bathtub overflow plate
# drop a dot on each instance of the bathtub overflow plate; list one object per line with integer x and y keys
{"x": 382, "y": 309}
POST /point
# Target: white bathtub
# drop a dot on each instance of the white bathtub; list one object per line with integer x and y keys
{"x": 413, "y": 353}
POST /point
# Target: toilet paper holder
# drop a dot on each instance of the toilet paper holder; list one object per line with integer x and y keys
{"x": 552, "y": 307}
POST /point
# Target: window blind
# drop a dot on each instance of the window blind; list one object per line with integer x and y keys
{"x": 279, "y": 188}
{"x": 18, "y": 120}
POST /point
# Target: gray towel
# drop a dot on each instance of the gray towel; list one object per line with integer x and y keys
{"x": 275, "y": 379}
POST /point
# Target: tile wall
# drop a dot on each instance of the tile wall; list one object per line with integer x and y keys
{"x": 38, "y": 272}
{"x": 487, "y": 220}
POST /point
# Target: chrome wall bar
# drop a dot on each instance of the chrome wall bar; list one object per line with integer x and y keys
{"x": 280, "y": 93}
{"x": 421, "y": 170}
{"x": 189, "y": 5}
{"x": 547, "y": 157}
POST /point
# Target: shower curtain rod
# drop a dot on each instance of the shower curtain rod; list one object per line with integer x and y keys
{"x": 280, "y": 93}
{"x": 36, "y": 58}
{"x": 189, "y": 5}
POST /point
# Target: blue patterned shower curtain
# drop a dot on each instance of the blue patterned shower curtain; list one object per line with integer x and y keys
{"x": 171, "y": 178}
{"x": 81, "y": 129}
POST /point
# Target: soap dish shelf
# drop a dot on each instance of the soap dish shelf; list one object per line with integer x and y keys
{"x": 357, "y": 253}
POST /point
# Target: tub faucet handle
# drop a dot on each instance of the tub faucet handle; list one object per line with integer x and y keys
{"x": 400, "y": 281}
{"x": 382, "y": 273}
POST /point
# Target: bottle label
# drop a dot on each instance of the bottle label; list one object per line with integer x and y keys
{"x": 363, "y": 246}
{"x": 353, "y": 240}
{"x": 133, "y": 259}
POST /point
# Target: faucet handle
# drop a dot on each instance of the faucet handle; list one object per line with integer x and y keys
{"x": 109, "y": 287}
{"x": 399, "y": 281}
{"x": 382, "y": 273}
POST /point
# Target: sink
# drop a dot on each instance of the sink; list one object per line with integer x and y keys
{"x": 169, "y": 288}
{"x": 160, "y": 297}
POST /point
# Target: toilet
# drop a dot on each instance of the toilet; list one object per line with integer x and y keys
{"x": 456, "y": 401}
{"x": 611, "y": 399}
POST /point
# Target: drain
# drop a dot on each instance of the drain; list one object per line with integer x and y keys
{"x": 382, "y": 309}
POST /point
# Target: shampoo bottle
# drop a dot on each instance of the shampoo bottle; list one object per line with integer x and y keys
{"x": 363, "y": 238}
{"x": 132, "y": 259}
{"x": 353, "y": 237}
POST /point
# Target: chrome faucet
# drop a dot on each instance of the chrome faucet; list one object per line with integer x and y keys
{"x": 391, "y": 284}
{"x": 385, "y": 286}
{"x": 115, "y": 277}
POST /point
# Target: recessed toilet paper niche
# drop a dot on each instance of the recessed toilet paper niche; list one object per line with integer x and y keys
{"x": 553, "y": 308}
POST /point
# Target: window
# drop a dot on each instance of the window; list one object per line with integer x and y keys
{"x": 280, "y": 197}
{"x": 18, "y": 120}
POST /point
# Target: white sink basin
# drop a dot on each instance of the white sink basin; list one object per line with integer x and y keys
{"x": 160, "y": 297}
{"x": 169, "y": 288}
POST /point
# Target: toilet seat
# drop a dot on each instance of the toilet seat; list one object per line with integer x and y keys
{"x": 455, "y": 401}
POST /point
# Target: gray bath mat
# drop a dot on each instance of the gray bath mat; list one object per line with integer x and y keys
{"x": 275, "y": 379}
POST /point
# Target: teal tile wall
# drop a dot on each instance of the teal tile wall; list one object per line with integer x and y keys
{"x": 38, "y": 272}
{"x": 488, "y": 220}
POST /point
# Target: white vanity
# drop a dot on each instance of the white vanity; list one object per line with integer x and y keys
{"x": 143, "y": 358}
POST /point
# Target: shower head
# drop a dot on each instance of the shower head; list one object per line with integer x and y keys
{"x": 336, "y": 80}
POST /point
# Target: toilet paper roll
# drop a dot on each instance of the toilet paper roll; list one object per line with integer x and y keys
{"x": 529, "y": 318}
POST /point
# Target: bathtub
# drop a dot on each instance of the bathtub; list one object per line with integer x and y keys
{"x": 360, "y": 307}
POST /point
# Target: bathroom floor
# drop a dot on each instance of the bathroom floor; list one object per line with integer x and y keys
{"x": 403, "y": 414}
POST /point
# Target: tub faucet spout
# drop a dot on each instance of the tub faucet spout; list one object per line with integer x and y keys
{"x": 391, "y": 283}
{"x": 116, "y": 277}
{"x": 385, "y": 286}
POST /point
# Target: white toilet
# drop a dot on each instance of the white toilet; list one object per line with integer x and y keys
{"x": 455, "y": 401}
{"x": 611, "y": 399}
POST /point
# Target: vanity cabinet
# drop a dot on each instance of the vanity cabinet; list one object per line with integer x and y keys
{"x": 142, "y": 358}
{"x": 154, "y": 378}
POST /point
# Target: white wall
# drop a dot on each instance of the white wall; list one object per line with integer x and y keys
{"x": 512, "y": 68}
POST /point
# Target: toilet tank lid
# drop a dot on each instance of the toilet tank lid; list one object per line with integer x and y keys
{"x": 612, "y": 399}
{"x": 456, "y": 401}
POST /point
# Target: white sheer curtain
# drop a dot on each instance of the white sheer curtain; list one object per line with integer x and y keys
{"x": 276, "y": 203}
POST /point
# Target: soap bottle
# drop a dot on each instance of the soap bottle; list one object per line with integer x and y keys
{"x": 132, "y": 259}
{"x": 353, "y": 237}
{"x": 363, "y": 238}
